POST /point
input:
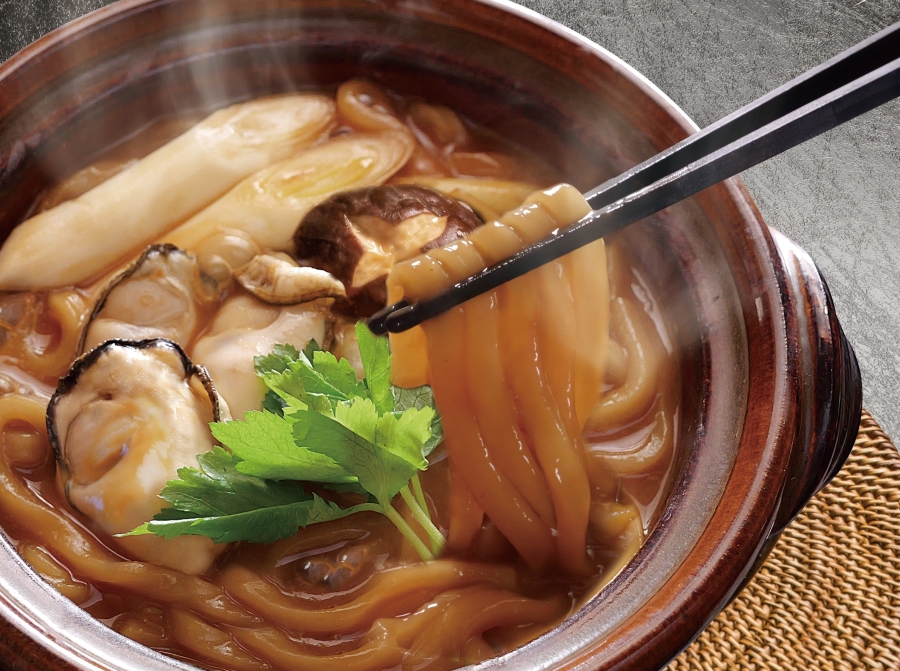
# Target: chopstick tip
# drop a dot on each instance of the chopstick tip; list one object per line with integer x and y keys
{"x": 378, "y": 323}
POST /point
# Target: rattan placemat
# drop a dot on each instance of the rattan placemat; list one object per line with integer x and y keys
{"x": 828, "y": 596}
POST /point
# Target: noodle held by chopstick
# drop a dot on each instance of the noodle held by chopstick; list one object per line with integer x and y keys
{"x": 548, "y": 332}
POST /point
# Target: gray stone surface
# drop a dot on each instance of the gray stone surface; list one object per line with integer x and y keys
{"x": 838, "y": 195}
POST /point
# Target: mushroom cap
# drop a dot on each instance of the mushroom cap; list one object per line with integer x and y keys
{"x": 377, "y": 222}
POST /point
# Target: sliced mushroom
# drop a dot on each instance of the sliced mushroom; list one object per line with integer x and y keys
{"x": 122, "y": 422}
{"x": 358, "y": 235}
{"x": 244, "y": 328}
{"x": 279, "y": 280}
{"x": 154, "y": 298}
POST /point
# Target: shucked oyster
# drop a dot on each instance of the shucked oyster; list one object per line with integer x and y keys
{"x": 154, "y": 298}
{"x": 278, "y": 279}
{"x": 244, "y": 328}
{"x": 124, "y": 419}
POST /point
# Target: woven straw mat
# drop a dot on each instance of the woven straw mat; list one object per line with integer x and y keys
{"x": 828, "y": 596}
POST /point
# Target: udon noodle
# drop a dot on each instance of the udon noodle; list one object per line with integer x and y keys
{"x": 558, "y": 394}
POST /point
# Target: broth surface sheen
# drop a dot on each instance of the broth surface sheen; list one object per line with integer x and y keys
{"x": 349, "y": 594}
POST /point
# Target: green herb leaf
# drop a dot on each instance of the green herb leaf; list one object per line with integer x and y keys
{"x": 273, "y": 403}
{"x": 375, "y": 353}
{"x": 404, "y": 435}
{"x": 265, "y": 444}
{"x": 279, "y": 360}
{"x": 261, "y": 524}
{"x": 302, "y": 386}
{"x": 360, "y": 416}
{"x": 311, "y": 348}
{"x": 339, "y": 374}
{"x": 379, "y": 471}
{"x": 222, "y": 503}
{"x": 419, "y": 398}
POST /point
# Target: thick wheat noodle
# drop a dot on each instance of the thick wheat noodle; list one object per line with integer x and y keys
{"x": 466, "y": 513}
{"x": 466, "y": 516}
{"x": 383, "y": 646}
{"x": 474, "y": 612}
{"x": 545, "y": 392}
{"x": 460, "y": 259}
{"x": 353, "y": 111}
{"x": 509, "y": 453}
{"x": 68, "y": 309}
{"x": 559, "y": 455}
{"x": 495, "y": 411}
{"x": 211, "y": 643}
{"x": 477, "y": 650}
{"x": 390, "y": 593}
{"x": 630, "y": 543}
{"x": 617, "y": 270}
{"x": 465, "y": 445}
{"x": 504, "y": 447}
{"x": 466, "y": 613}
{"x": 556, "y": 331}
{"x": 616, "y": 364}
{"x": 590, "y": 286}
{"x": 556, "y": 321}
{"x": 146, "y": 633}
{"x": 656, "y": 447}
{"x": 572, "y": 289}
{"x": 85, "y": 556}
{"x": 55, "y": 573}
{"x": 639, "y": 390}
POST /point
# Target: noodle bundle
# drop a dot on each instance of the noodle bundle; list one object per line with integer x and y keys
{"x": 535, "y": 350}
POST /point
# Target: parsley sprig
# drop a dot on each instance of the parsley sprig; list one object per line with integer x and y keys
{"x": 319, "y": 425}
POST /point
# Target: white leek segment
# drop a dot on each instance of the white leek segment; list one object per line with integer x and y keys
{"x": 89, "y": 234}
{"x": 269, "y": 205}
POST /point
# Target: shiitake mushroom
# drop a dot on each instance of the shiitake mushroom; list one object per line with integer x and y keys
{"x": 358, "y": 235}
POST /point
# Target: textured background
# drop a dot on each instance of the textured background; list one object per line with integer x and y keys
{"x": 838, "y": 195}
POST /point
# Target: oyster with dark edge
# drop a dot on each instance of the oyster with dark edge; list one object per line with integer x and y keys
{"x": 122, "y": 422}
{"x": 156, "y": 297}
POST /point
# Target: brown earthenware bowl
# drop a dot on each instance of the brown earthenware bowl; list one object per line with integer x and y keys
{"x": 771, "y": 390}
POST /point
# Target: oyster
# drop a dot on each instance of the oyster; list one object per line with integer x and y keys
{"x": 154, "y": 298}
{"x": 279, "y": 280}
{"x": 244, "y": 328}
{"x": 122, "y": 422}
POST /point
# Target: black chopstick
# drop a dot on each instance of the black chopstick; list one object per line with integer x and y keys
{"x": 852, "y": 83}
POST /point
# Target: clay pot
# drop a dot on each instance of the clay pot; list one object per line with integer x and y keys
{"x": 771, "y": 390}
